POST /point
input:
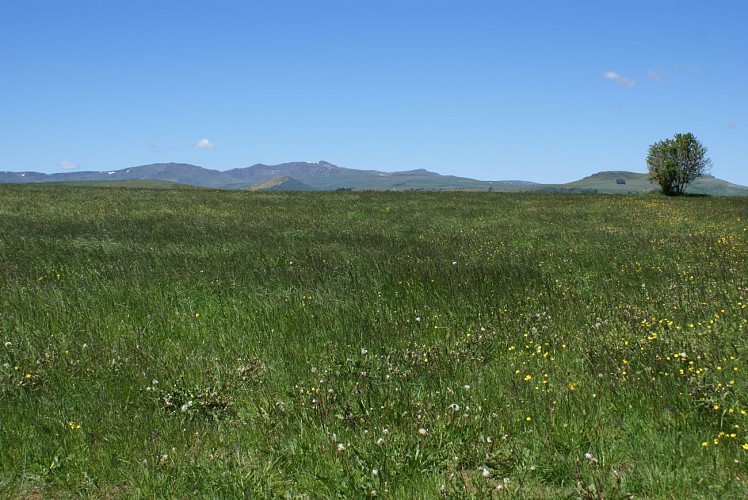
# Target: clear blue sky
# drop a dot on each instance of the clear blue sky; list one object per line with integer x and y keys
{"x": 546, "y": 91}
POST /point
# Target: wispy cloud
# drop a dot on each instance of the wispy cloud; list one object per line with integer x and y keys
{"x": 203, "y": 144}
{"x": 626, "y": 81}
{"x": 677, "y": 70}
{"x": 691, "y": 68}
{"x": 67, "y": 165}
{"x": 657, "y": 75}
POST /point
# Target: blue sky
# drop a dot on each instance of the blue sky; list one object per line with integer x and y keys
{"x": 546, "y": 91}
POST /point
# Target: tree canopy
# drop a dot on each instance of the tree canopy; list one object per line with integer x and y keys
{"x": 674, "y": 163}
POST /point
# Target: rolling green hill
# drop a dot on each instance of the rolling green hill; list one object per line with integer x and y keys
{"x": 610, "y": 182}
{"x": 623, "y": 182}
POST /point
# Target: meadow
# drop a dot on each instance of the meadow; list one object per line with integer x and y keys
{"x": 196, "y": 343}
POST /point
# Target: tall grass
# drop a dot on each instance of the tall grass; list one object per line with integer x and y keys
{"x": 222, "y": 344}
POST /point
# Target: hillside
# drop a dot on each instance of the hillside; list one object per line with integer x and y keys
{"x": 281, "y": 183}
{"x": 135, "y": 184}
{"x": 624, "y": 182}
{"x": 610, "y": 182}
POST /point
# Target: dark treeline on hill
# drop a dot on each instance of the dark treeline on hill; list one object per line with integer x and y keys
{"x": 324, "y": 176}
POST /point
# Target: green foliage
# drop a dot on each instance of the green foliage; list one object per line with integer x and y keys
{"x": 194, "y": 343}
{"x": 674, "y": 163}
{"x": 213, "y": 402}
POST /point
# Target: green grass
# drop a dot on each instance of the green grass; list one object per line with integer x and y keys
{"x": 190, "y": 343}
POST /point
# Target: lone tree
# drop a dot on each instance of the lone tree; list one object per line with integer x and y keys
{"x": 673, "y": 163}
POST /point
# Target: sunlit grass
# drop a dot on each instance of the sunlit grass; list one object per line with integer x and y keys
{"x": 340, "y": 344}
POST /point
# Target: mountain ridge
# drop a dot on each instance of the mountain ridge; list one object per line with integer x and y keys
{"x": 325, "y": 176}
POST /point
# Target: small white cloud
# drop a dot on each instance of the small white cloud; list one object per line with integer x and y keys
{"x": 203, "y": 144}
{"x": 626, "y": 81}
{"x": 67, "y": 165}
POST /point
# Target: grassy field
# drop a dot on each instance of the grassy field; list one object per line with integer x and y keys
{"x": 193, "y": 343}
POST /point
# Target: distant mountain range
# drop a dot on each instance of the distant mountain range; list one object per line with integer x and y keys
{"x": 324, "y": 176}
{"x": 295, "y": 176}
